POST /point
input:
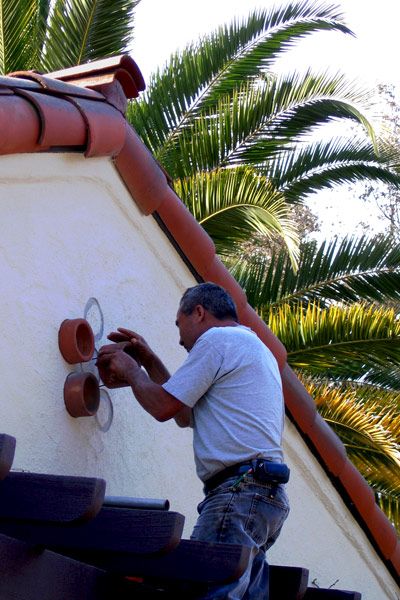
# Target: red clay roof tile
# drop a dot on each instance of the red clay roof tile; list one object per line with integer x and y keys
{"x": 19, "y": 125}
{"x": 106, "y": 127}
{"x": 55, "y": 86}
{"x": 32, "y": 120}
{"x": 123, "y": 68}
{"x": 146, "y": 182}
{"x": 298, "y": 402}
{"x": 52, "y": 112}
{"x": 360, "y": 492}
{"x": 328, "y": 445}
{"x": 197, "y": 247}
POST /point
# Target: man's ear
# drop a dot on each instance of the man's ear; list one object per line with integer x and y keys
{"x": 200, "y": 312}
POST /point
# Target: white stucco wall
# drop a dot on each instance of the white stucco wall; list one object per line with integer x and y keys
{"x": 69, "y": 231}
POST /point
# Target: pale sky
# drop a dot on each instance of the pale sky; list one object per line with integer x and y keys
{"x": 163, "y": 26}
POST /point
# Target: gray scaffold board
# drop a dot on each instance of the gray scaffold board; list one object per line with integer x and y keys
{"x": 29, "y": 573}
{"x": 113, "y": 530}
{"x": 55, "y": 498}
{"x": 191, "y": 561}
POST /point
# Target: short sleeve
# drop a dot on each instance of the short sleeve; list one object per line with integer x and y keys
{"x": 197, "y": 374}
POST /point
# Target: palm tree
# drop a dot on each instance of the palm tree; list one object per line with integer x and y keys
{"x": 47, "y": 35}
{"x": 236, "y": 138}
{"x": 241, "y": 146}
{"x": 338, "y": 318}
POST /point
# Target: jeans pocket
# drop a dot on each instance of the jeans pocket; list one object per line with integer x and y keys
{"x": 266, "y": 516}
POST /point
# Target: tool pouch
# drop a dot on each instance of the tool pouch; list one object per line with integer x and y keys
{"x": 270, "y": 472}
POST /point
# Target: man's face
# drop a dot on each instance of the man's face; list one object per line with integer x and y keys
{"x": 189, "y": 329}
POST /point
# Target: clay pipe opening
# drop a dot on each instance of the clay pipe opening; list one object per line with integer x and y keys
{"x": 81, "y": 394}
{"x": 76, "y": 341}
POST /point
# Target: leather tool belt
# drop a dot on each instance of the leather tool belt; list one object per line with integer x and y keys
{"x": 262, "y": 470}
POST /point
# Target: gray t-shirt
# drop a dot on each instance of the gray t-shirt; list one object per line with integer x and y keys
{"x": 231, "y": 381}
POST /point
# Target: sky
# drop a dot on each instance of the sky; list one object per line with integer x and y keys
{"x": 370, "y": 57}
{"x": 162, "y": 26}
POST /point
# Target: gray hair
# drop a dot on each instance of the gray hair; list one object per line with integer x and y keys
{"x": 212, "y": 297}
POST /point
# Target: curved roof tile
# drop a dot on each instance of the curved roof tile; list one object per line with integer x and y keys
{"x": 58, "y": 111}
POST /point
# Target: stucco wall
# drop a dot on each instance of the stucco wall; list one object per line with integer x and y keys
{"x": 69, "y": 231}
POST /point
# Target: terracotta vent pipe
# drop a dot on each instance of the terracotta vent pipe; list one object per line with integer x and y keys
{"x": 76, "y": 341}
{"x": 81, "y": 394}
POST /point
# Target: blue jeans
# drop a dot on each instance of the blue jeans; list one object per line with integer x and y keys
{"x": 245, "y": 514}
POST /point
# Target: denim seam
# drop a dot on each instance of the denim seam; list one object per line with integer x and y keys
{"x": 250, "y": 516}
{"x": 223, "y": 527}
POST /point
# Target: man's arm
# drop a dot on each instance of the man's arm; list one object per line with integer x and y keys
{"x": 143, "y": 354}
{"x": 153, "y": 364}
{"x": 150, "y": 395}
{"x": 184, "y": 417}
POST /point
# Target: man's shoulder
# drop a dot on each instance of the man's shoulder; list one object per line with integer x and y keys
{"x": 225, "y": 331}
{"x": 230, "y": 335}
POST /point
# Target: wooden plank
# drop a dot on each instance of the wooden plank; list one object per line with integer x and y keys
{"x": 50, "y": 497}
{"x": 27, "y": 573}
{"x": 113, "y": 530}
{"x": 289, "y": 583}
{"x": 330, "y": 594}
{"x": 7, "y": 451}
{"x": 191, "y": 561}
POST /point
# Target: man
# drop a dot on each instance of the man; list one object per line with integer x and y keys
{"x": 229, "y": 390}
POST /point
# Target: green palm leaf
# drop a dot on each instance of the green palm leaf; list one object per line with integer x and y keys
{"x": 234, "y": 134}
{"x": 363, "y": 416}
{"x": 259, "y": 124}
{"x": 324, "y": 164}
{"x": 195, "y": 79}
{"x": 83, "y": 30}
{"x": 342, "y": 270}
{"x": 366, "y": 418}
{"x": 304, "y": 101}
{"x": 231, "y": 204}
{"x": 344, "y": 342}
{"x": 388, "y": 377}
{"x": 18, "y": 20}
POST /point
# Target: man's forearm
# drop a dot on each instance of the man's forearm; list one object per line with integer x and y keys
{"x": 152, "y": 396}
{"x": 157, "y": 371}
{"x": 183, "y": 418}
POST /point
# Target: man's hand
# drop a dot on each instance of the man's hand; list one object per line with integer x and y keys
{"x": 140, "y": 350}
{"x": 115, "y": 366}
{"x": 137, "y": 347}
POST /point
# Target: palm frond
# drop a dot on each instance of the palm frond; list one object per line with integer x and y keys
{"x": 367, "y": 420}
{"x": 234, "y": 134}
{"x": 195, "y": 79}
{"x": 232, "y": 204}
{"x": 387, "y": 377}
{"x": 344, "y": 342}
{"x": 83, "y": 30}
{"x": 39, "y": 34}
{"x": 283, "y": 28}
{"x": 323, "y": 165}
{"x": 301, "y": 102}
{"x": 17, "y": 24}
{"x": 360, "y": 417}
{"x": 256, "y": 123}
{"x": 387, "y": 496}
{"x": 344, "y": 271}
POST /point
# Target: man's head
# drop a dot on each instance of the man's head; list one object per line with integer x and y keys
{"x": 201, "y": 307}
